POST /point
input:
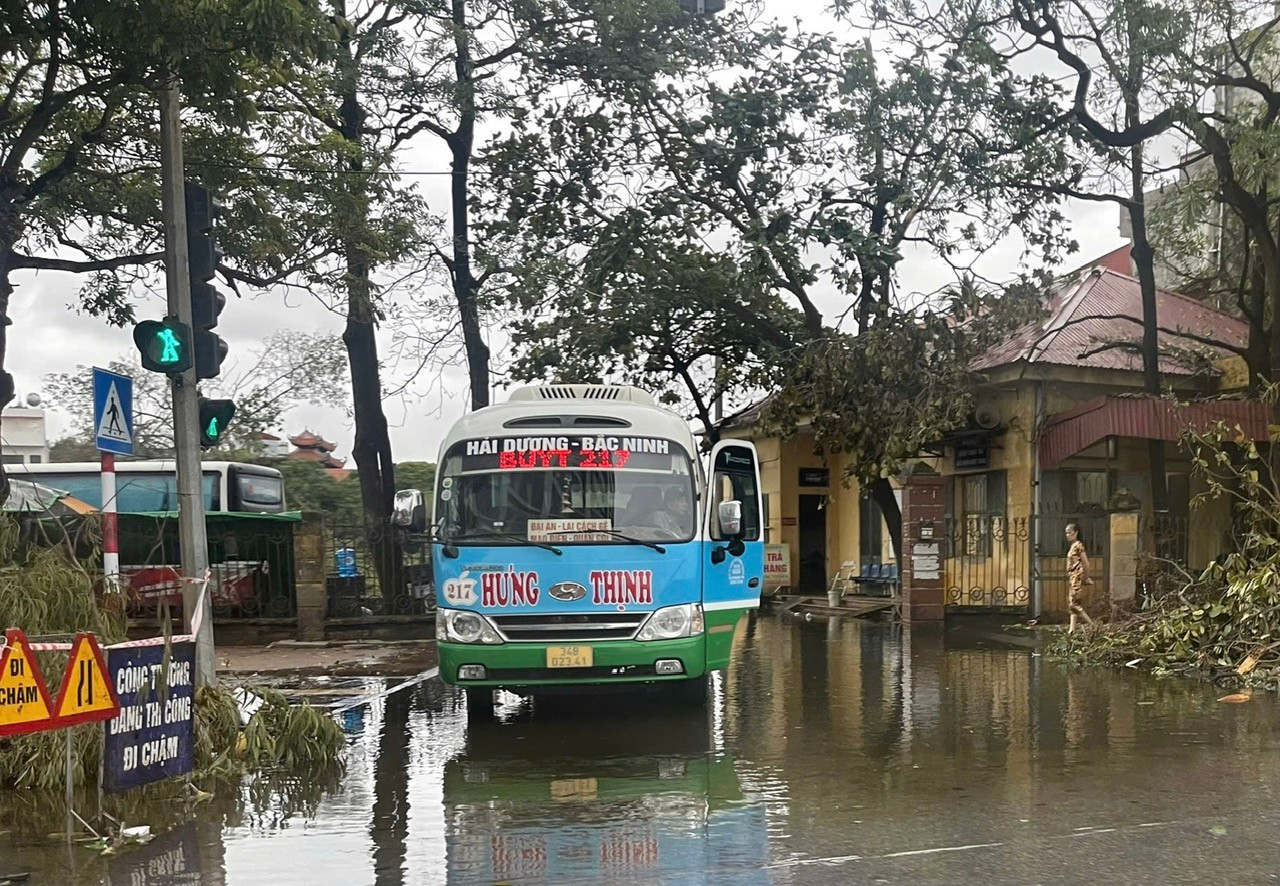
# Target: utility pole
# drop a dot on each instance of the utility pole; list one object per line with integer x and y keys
{"x": 186, "y": 408}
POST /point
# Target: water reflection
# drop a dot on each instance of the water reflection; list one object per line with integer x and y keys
{"x": 874, "y": 743}
{"x": 833, "y": 752}
{"x": 600, "y": 792}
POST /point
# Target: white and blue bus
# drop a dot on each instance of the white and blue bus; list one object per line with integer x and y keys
{"x": 580, "y": 541}
{"x": 151, "y": 487}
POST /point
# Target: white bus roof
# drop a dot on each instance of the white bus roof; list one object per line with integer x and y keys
{"x": 166, "y": 466}
{"x": 519, "y": 414}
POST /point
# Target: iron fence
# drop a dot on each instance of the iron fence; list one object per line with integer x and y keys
{"x": 376, "y": 570}
{"x": 251, "y": 565}
{"x": 987, "y": 560}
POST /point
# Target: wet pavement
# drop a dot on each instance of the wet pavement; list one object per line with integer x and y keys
{"x": 830, "y": 753}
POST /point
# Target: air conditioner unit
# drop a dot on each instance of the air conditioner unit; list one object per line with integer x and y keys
{"x": 625, "y": 393}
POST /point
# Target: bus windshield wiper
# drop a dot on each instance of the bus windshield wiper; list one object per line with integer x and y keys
{"x": 616, "y": 534}
{"x": 514, "y": 536}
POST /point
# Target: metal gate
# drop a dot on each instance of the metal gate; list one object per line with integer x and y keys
{"x": 1051, "y": 555}
{"x": 988, "y": 561}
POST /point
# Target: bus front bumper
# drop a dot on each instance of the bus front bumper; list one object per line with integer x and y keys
{"x": 612, "y": 662}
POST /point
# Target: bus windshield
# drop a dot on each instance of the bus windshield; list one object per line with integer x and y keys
{"x": 566, "y": 490}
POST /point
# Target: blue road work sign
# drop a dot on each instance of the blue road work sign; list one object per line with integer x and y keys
{"x": 113, "y": 411}
{"x": 152, "y": 738}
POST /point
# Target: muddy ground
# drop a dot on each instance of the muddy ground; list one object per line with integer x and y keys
{"x": 352, "y": 658}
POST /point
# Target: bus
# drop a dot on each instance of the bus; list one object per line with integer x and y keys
{"x": 150, "y": 487}
{"x": 578, "y": 542}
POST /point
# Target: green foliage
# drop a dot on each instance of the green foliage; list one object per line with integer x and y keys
{"x": 309, "y": 487}
{"x": 1224, "y": 623}
{"x": 420, "y": 475}
{"x": 44, "y": 590}
{"x": 656, "y": 226}
{"x": 886, "y": 392}
{"x": 296, "y": 738}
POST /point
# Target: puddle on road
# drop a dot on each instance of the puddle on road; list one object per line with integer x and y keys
{"x": 823, "y": 745}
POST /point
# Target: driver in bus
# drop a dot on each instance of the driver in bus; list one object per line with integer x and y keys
{"x": 675, "y": 518}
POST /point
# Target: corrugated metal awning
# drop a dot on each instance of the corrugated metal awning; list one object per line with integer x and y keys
{"x": 1147, "y": 418}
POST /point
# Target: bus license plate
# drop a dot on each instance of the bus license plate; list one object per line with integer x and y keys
{"x": 569, "y": 656}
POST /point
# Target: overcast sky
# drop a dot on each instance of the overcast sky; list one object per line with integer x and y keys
{"x": 419, "y": 418}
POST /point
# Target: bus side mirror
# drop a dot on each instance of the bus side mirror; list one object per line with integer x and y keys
{"x": 409, "y": 511}
{"x": 730, "y": 514}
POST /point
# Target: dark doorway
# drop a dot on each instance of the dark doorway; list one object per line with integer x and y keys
{"x": 813, "y": 543}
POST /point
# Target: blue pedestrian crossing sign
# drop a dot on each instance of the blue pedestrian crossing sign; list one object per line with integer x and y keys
{"x": 113, "y": 411}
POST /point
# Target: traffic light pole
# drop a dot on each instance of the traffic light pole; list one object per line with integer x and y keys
{"x": 186, "y": 409}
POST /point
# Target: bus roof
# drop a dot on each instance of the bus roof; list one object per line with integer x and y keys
{"x": 163, "y": 466}
{"x": 524, "y": 414}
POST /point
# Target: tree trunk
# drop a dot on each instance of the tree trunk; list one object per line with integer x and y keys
{"x": 882, "y": 495}
{"x": 372, "y": 449}
{"x": 465, "y": 286}
{"x": 1144, "y": 260}
{"x": 8, "y": 237}
{"x": 389, "y": 824}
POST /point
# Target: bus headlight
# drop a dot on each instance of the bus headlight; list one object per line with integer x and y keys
{"x": 673, "y": 622}
{"x": 461, "y": 626}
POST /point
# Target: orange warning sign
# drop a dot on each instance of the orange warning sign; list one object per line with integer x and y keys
{"x": 24, "y": 700}
{"x": 87, "y": 695}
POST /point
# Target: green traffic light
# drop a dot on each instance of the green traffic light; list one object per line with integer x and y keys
{"x": 171, "y": 348}
{"x": 215, "y": 416}
{"x": 165, "y": 345}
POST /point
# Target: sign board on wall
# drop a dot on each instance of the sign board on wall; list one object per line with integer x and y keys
{"x": 973, "y": 452}
{"x": 815, "y": 477}
{"x": 151, "y": 739}
{"x": 777, "y": 566}
{"x": 926, "y": 564}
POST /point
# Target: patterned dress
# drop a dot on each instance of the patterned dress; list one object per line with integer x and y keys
{"x": 1076, "y": 571}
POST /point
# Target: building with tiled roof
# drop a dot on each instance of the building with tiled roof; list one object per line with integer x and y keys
{"x": 312, "y": 447}
{"x": 1060, "y": 431}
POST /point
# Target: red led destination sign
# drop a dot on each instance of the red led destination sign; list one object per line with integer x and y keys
{"x": 588, "y": 452}
{"x": 564, "y": 458}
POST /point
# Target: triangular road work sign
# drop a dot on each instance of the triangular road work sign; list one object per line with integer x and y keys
{"x": 87, "y": 695}
{"x": 24, "y": 700}
{"x": 115, "y": 421}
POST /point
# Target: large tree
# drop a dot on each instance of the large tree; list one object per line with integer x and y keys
{"x": 77, "y": 112}
{"x": 811, "y": 168}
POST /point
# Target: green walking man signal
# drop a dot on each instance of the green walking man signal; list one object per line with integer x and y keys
{"x": 215, "y": 415}
{"x": 165, "y": 345}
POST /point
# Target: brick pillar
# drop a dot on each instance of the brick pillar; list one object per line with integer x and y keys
{"x": 923, "y": 529}
{"x": 309, "y": 561}
{"x": 1122, "y": 566}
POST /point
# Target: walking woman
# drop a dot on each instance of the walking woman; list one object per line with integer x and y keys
{"x": 1078, "y": 577}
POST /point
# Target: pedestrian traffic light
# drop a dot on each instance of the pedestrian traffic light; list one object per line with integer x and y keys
{"x": 215, "y": 415}
{"x": 165, "y": 345}
{"x": 207, "y": 302}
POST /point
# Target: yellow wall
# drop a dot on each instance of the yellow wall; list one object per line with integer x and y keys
{"x": 1012, "y": 450}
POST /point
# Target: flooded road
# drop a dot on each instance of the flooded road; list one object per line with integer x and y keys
{"x": 830, "y": 753}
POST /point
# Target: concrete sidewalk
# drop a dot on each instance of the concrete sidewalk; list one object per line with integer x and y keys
{"x": 351, "y": 658}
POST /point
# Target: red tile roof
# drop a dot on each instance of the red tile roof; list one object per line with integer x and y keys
{"x": 1101, "y": 307}
{"x": 308, "y": 440}
{"x": 323, "y": 458}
